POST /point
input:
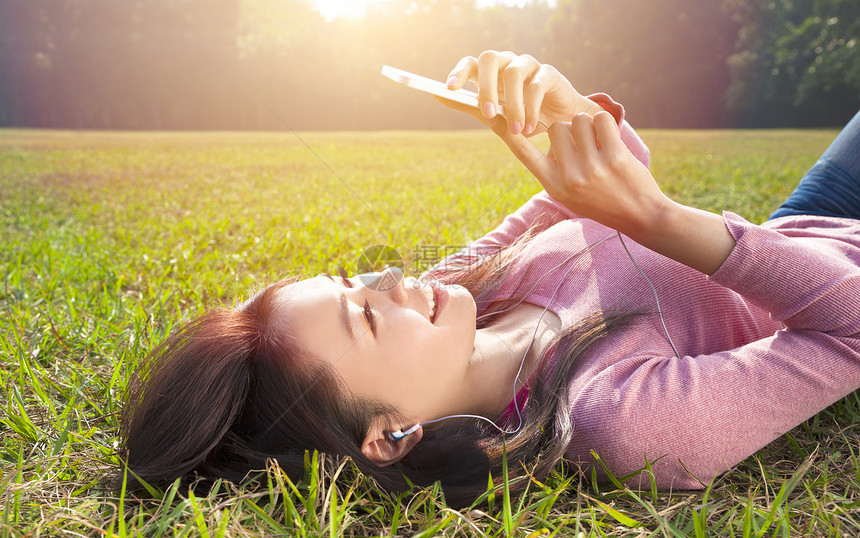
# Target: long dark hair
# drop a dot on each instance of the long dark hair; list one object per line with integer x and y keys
{"x": 227, "y": 393}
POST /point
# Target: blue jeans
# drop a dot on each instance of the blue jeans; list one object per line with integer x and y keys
{"x": 832, "y": 186}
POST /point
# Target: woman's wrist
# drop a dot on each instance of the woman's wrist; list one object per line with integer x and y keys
{"x": 696, "y": 238}
{"x": 584, "y": 104}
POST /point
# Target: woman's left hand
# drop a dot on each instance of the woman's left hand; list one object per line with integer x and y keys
{"x": 534, "y": 95}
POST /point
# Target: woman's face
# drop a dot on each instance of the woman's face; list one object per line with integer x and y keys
{"x": 389, "y": 338}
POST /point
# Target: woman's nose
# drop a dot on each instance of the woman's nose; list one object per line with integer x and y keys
{"x": 388, "y": 281}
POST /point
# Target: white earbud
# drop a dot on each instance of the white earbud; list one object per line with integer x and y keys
{"x": 400, "y": 434}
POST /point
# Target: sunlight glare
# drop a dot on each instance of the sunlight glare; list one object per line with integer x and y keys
{"x": 335, "y": 9}
{"x": 354, "y": 9}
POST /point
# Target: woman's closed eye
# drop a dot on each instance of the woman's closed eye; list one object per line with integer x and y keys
{"x": 370, "y": 316}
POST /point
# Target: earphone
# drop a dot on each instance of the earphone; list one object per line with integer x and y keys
{"x": 400, "y": 434}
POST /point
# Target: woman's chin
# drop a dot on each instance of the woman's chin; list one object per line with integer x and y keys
{"x": 458, "y": 307}
{"x": 464, "y": 300}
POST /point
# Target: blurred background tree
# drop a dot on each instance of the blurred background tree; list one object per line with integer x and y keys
{"x": 796, "y": 62}
{"x": 664, "y": 59}
{"x": 272, "y": 64}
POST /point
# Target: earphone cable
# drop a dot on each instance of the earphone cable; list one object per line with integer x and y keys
{"x": 540, "y": 318}
{"x": 531, "y": 343}
{"x": 654, "y": 291}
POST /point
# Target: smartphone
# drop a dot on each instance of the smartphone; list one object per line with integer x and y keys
{"x": 434, "y": 87}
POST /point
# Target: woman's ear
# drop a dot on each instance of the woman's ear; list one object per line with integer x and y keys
{"x": 382, "y": 449}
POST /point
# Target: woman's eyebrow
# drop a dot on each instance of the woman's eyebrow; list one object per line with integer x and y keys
{"x": 344, "y": 316}
{"x": 344, "y": 310}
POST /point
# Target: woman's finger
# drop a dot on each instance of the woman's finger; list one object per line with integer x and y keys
{"x": 561, "y": 142}
{"x": 521, "y": 69}
{"x": 542, "y": 167}
{"x": 465, "y": 70}
{"x": 582, "y": 127}
{"x": 534, "y": 94}
{"x": 607, "y": 132}
{"x": 565, "y": 158}
{"x": 489, "y": 64}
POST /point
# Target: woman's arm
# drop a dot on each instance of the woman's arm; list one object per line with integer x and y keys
{"x": 700, "y": 415}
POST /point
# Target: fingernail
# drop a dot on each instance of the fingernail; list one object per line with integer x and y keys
{"x": 489, "y": 109}
{"x": 529, "y": 128}
{"x": 452, "y": 80}
{"x": 516, "y": 128}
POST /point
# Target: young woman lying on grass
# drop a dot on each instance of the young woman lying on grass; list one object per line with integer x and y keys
{"x": 720, "y": 337}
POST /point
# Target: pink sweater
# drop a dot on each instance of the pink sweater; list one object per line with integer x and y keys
{"x": 766, "y": 342}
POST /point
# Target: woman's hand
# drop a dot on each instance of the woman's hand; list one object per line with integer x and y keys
{"x": 534, "y": 95}
{"x": 591, "y": 172}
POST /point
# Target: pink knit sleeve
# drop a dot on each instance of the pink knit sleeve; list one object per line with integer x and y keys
{"x": 543, "y": 211}
{"x": 695, "y": 417}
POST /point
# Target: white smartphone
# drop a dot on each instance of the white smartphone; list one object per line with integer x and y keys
{"x": 434, "y": 87}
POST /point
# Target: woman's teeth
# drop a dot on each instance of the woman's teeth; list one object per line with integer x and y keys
{"x": 431, "y": 301}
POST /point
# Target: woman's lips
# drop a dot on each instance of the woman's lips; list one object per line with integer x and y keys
{"x": 441, "y": 300}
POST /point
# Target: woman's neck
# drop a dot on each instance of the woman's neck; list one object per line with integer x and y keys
{"x": 500, "y": 350}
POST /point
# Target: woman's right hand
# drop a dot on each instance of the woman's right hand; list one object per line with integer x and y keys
{"x": 534, "y": 95}
{"x": 594, "y": 174}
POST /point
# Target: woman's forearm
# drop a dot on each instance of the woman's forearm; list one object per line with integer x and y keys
{"x": 699, "y": 239}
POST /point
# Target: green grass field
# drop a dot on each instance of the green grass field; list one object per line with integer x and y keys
{"x": 111, "y": 239}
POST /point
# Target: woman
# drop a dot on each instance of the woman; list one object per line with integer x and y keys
{"x": 601, "y": 316}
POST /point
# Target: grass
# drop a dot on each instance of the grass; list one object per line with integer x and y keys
{"x": 111, "y": 239}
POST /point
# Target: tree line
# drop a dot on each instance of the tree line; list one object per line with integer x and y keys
{"x": 278, "y": 64}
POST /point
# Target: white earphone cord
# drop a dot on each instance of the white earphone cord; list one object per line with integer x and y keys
{"x": 537, "y": 326}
